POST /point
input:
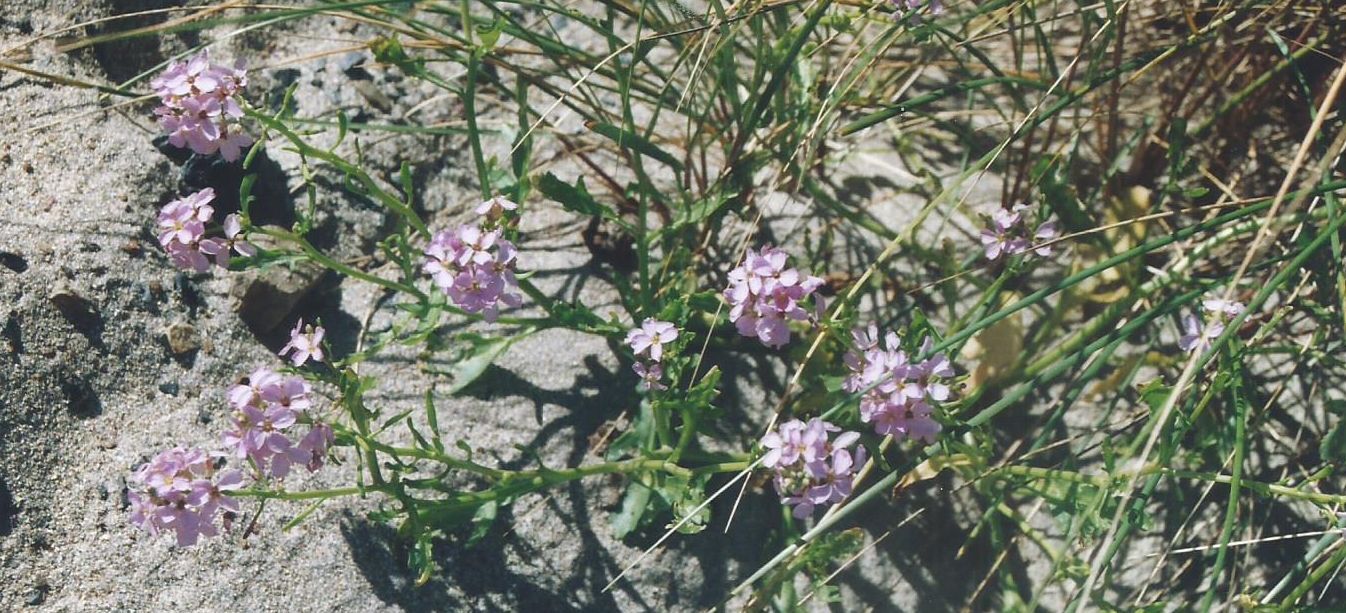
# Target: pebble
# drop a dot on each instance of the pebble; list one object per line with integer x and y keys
{"x": 169, "y": 387}
{"x": 182, "y": 339}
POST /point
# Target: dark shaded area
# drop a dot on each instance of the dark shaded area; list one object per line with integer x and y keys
{"x": 609, "y": 245}
{"x": 9, "y": 511}
{"x": 82, "y": 400}
{"x": 13, "y": 261}
{"x": 187, "y": 292}
{"x": 82, "y": 314}
{"x": 272, "y": 203}
{"x": 925, "y": 551}
{"x": 13, "y": 335}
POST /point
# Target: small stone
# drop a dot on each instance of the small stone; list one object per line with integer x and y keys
{"x": 169, "y": 387}
{"x": 76, "y": 309}
{"x": 264, "y": 298}
{"x": 36, "y": 597}
{"x": 204, "y": 416}
{"x": 132, "y": 248}
{"x": 182, "y": 338}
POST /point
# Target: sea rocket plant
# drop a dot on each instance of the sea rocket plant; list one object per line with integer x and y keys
{"x": 474, "y": 267}
{"x": 900, "y": 393}
{"x": 1198, "y": 335}
{"x": 1008, "y": 234}
{"x": 811, "y": 467}
{"x": 199, "y": 106}
{"x": 765, "y": 295}
{"x": 182, "y": 233}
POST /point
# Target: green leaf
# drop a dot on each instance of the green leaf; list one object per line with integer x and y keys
{"x": 1333, "y": 446}
{"x": 482, "y": 521}
{"x": 700, "y": 210}
{"x": 683, "y": 497}
{"x": 640, "y": 144}
{"x": 633, "y": 509}
{"x": 476, "y": 359}
{"x": 575, "y": 198}
{"x": 421, "y": 558}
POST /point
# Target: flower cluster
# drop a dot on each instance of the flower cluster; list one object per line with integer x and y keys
{"x": 1008, "y": 234}
{"x": 199, "y": 106}
{"x": 812, "y": 468}
{"x": 183, "y": 490}
{"x": 474, "y": 265}
{"x": 765, "y": 295}
{"x": 647, "y": 341}
{"x": 899, "y": 392}
{"x": 265, "y": 405}
{"x": 182, "y": 233}
{"x": 1197, "y": 335}
{"x": 305, "y": 343}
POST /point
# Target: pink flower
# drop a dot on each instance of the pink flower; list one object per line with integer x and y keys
{"x": 305, "y": 343}
{"x": 199, "y": 106}
{"x": 897, "y": 393}
{"x": 648, "y": 340}
{"x": 474, "y": 268}
{"x": 265, "y": 408}
{"x": 1198, "y": 335}
{"x": 764, "y": 295}
{"x": 182, "y": 233}
{"x": 812, "y": 467}
{"x": 181, "y": 490}
{"x": 315, "y": 445}
{"x": 1008, "y": 236}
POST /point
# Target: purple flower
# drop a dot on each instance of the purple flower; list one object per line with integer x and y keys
{"x": 1222, "y": 307}
{"x": 305, "y": 342}
{"x": 265, "y": 407}
{"x": 897, "y": 393}
{"x": 181, "y": 490}
{"x": 315, "y": 445}
{"x": 812, "y": 467}
{"x": 199, "y": 106}
{"x": 1198, "y": 335}
{"x": 651, "y": 375}
{"x": 765, "y": 296}
{"x": 182, "y": 233}
{"x": 648, "y": 340}
{"x": 258, "y": 435}
{"x": 1008, "y": 236}
{"x": 906, "y": 419}
{"x": 786, "y": 444}
{"x": 474, "y": 268}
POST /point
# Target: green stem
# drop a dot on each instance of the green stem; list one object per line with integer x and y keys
{"x": 321, "y": 258}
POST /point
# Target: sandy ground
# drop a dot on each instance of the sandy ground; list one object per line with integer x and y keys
{"x": 90, "y": 385}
